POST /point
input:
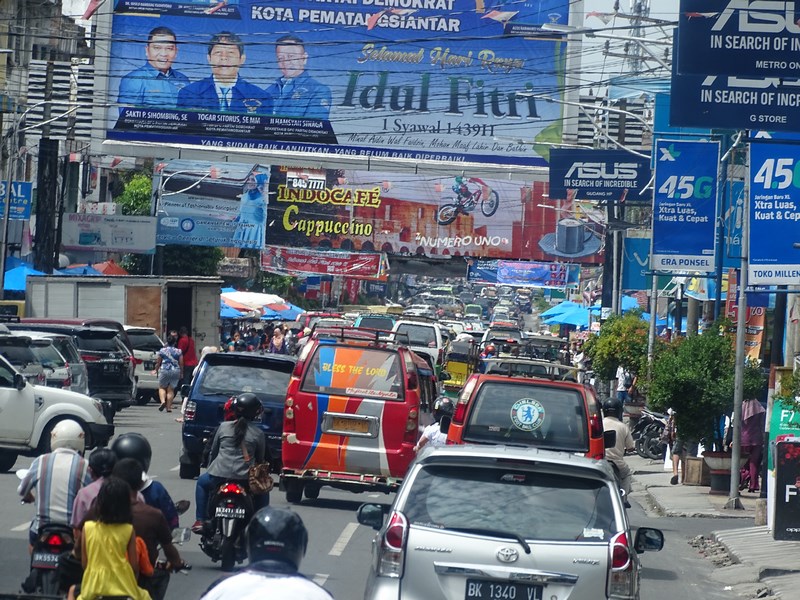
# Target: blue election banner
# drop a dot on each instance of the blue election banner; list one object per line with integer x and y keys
{"x": 733, "y": 217}
{"x": 524, "y": 273}
{"x": 684, "y": 206}
{"x": 774, "y": 214}
{"x": 21, "y": 199}
{"x": 449, "y": 80}
{"x": 205, "y": 204}
{"x": 636, "y": 263}
{"x": 739, "y": 37}
{"x": 598, "y": 174}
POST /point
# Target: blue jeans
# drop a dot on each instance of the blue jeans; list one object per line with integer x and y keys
{"x": 207, "y": 483}
{"x": 622, "y": 395}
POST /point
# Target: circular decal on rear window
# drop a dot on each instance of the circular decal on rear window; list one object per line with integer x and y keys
{"x": 527, "y": 414}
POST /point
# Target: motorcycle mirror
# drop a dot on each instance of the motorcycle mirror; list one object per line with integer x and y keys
{"x": 181, "y": 535}
{"x": 21, "y": 473}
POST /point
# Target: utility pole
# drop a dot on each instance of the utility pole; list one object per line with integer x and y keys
{"x": 44, "y": 248}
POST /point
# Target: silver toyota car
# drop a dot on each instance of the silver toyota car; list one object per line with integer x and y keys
{"x": 503, "y": 523}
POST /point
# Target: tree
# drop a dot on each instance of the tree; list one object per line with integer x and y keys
{"x": 136, "y": 198}
{"x": 622, "y": 341}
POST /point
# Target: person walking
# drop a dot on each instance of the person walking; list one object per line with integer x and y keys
{"x": 169, "y": 368}
{"x": 189, "y": 352}
{"x": 753, "y": 420}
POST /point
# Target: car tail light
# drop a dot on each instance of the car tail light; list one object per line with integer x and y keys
{"x": 393, "y": 545}
{"x": 412, "y": 427}
{"x": 461, "y": 406}
{"x": 621, "y": 575}
{"x": 288, "y": 416}
{"x": 41, "y": 379}
{"x": 191, "y": 411}
{"x": 231, "y": 488}
{"x": 89, "y": 357}
{"x": 136, "y": 361}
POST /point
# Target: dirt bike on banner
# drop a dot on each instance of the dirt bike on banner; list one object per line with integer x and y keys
{"x": 467, "y": 198}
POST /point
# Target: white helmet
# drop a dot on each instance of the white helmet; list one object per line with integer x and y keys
{"x": 68, "y": 434}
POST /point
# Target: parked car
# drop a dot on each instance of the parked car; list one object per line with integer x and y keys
{"x": 17, "y": 350}
{"x": 478, "y": 522}
{"x": 221, "y": 376}
{"x": 56, "y": 369}
{"x": 146, "y": 345}
{"x": 66, "y": 347}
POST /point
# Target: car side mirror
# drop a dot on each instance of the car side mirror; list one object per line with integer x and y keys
{"x": 370, "y": 515}
{"x": 185, "y": 389}
{"x": 609, "y": 439}
{"x": 648, "y": 539}
{"x": 19, "y": 381}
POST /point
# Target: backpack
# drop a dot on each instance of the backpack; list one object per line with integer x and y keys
{"x": 628, "y": 381}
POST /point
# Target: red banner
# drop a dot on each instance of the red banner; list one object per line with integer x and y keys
{"x": 755, "y": 321}
{"x": 294, "y": 261}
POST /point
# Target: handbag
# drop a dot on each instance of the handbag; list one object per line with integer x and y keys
{"x": 258, "y": 477}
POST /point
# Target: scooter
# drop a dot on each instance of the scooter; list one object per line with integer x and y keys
{"x": 52, "y": 541}
{"x": 222, "y": 539}
{"x": 647, "y": 435}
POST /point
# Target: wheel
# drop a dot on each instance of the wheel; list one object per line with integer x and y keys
{"x": 189, "y": 470}
{"x": 7, "y": 460}
{"x": 489, "y": 205}
{"x": 311, "y": 492}
{"x": 653, "y": 448}
{"x": 48, "y": 582}
{"x": 294, "y": 491}
{"x": 447, "y": 214}
{"x": 639, "y": 445}
{"x": 227, "y": 554}
{"x": 143, "y": 398}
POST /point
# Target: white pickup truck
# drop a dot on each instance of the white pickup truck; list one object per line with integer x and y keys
{"x": 29, "y": 412}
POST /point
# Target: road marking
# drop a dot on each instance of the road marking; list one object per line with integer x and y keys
{"x": 345, "y": 536}
{"x": 375, "y": 495}
{"x": 320, "y": 578}
{"x": 23, "y": 527}
{"x": 176, "y": 468}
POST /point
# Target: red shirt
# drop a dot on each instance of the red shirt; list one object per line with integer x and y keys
{"x": 186, "y": 346}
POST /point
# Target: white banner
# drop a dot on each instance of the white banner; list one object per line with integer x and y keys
{"x": 110, "y": 233}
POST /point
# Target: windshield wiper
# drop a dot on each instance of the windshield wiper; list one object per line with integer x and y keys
{"x": 494, "y": 533}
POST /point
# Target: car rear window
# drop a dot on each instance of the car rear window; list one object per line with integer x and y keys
{"x": 48, "y": 356}
{"x": 418, "y": 335}
{"x": 385, "y": 323}
{"x": 19, "y": 356}
{"x": 145, "y": 340}
{"x": 232, "y": 379}
{"x": 528, "y": 415}
{"x": 535, "y": 505}
{"x": 354, "y": 371}
{"x": 97, "y": 343}
{"x": 67, "y": 349}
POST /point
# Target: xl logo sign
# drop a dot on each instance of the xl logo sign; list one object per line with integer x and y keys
{"x": 600, "y": 170}
{"x": 759, "y": 16}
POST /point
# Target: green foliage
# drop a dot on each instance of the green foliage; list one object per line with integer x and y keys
{"x": 136, "y": 199}
{"x": 622, "y": 341}
{"x": 198, "y": 261}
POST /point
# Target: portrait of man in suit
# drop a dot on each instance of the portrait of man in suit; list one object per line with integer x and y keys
{"x": 295, "y": 93}
{"x": 155, "y": 83}
{"x": 225, "y": 90}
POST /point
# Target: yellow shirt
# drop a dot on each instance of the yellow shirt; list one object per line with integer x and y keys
{"x": 108, "y": 572}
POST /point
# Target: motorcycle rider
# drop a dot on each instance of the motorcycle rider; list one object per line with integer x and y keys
{"x": 276, "y": 543}
{"x": 57, "y": 477}
{"x": 237, "y": 445}
{"x": 461, "y": 190}
{"x": 135, "y": 445}
{"x": 612, "y": 421}
{"x": 101, "y": 462}
{"x": 436, "y": 433}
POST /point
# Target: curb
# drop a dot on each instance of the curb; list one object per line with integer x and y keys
{"x": 668, "y": 512}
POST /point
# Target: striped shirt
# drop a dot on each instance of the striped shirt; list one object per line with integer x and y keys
{"x": 56, "y": 477}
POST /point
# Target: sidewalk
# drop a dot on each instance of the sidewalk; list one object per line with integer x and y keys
{"x": 763, "y": 561}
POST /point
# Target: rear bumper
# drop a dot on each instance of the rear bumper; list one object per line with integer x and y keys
{"x": 343, "y": 480}
{"x": 119, "y": 397}
{"x": 101, "y": 433}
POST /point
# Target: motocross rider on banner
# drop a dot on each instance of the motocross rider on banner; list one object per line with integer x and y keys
{"x": 461, "y": 189}
{"x": 276, "y": 543}
{"x": 57, "y": 477}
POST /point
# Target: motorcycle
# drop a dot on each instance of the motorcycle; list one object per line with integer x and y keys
{"x": 465, "y": 205}
{"x": 647, "y": 435}
{"x": 52, "y": 541}
{"x": 222, "y": 539}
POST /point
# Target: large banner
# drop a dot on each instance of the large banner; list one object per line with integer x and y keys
{"x": 774, "y": 214}
{"x": 599, "y": 174}
{"x": 108, "y": 233}
{"x": 451, "y": 80}
{"x": 211, "y": 204}
{"x": 294, "y": 261}
{"x": 636, "y": 262}
{"x": 739, "y": 37}
{"x": 524, "y": 274}
{"x": 21, "y": 195}
{"x": 684, "y": 206}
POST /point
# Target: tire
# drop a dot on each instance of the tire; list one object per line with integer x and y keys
{"x": 489, "y": 205}
{"x": 189, "y": 470}
{"x": 311, "y": 492}
{"x": 447, "y": 214}
{"x": 227, "y": 554}
{"x": 653, "y": 448}
{"x": 294, "y": 491}
{"x": 48, "y": 582}
{"x": 143, "y": 398}
{"x": 7, "y": 460}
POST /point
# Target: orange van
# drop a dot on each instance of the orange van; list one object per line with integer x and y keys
{"x": 351, "y": 417}
{"x": 519, "y": 410}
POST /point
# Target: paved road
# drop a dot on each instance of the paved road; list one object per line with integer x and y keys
{"x": 339, "y": 552}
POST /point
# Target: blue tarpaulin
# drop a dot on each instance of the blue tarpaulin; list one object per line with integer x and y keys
{"x": 15, "y": 278}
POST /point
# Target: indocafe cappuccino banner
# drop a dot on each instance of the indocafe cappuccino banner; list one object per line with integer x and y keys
{"x": 447, "y": 80}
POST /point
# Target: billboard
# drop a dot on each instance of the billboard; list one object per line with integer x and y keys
{"x": 774, "y": 214}
{"x": 211, "y": 204}
{"x": 21, "y": 195}
{"x": 598, "y": 174}
{"x": 293, "y": 261}
{"x": 449, "y": 80}
{"x": 523, "y": 273}
{"x": 739, "y": 37}
{"x": 108, "y": 233}
{"x": 684, "y": 206}
{"x": 636, "y": 263}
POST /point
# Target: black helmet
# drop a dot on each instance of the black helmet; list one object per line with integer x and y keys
{"x": 612, "y": 407}
{"x": 133, "y": 445}
{"x": 443, "y": 407}
{"x": 102, "y": 462}
{"x": 277, "y": 534}
{"x": 247, "y": 405}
